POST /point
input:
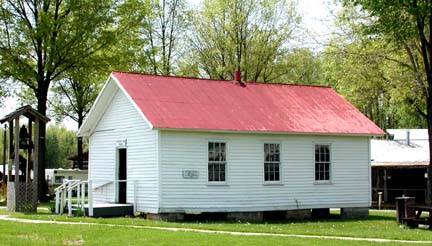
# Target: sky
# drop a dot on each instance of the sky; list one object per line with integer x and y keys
{"x": 317, "y": 18}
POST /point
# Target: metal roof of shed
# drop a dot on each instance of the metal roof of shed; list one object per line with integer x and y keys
{"x": 205, "y": 104}
{"x": 398, "y": 153}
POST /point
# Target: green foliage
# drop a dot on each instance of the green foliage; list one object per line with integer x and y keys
{"x": 60, "y": 144}
{"x": 242, "y": 34}
{"x": 74, "y": 95}
{"x": 162, "y": 32}
{"x": 374, "y": 74}
{"x": 365, "y": 74}
{"x": 299, "y": 66}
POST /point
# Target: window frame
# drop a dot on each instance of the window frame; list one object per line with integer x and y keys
{"x": 330, "y": 169}
{"x": 225, "y": 182}
{"x": 272, "y": 182}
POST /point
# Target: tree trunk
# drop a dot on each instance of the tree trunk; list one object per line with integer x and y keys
{"x": 42, "y": 185}
{"x": 80, "y": 143}
{"x": 429, "y": 168}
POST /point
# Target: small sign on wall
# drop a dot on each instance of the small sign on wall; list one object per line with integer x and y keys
{"x": 121, "y": 143}
{"x": 190, "y": 174}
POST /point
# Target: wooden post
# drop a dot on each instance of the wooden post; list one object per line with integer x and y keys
{"x": 90, "y": 198}
{"x": 16, "y": 151}
{"x": 57, "y": 205}
{"x": 29, "y": 152}
{"x": 385, "y": 186}
{"x": 4, "y": 155}
{"x": 69, "y": 197}
{"x": 11, "y": 149}
{"x": 36, "y": 157}
{"x": 83, "y": 197}
{"x": 379, "y": 200}
{"x": 78, "y": 195}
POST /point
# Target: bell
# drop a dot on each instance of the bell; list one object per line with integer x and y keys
{"x": 24, "y": 137}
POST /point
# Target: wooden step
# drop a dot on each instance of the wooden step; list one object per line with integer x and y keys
{"x": 109, "y": 209}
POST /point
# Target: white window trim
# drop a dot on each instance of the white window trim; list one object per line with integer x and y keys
{"x": 227, "y": 154}
{"x": 281, "y": 166}
{"x": 323, "y": 182}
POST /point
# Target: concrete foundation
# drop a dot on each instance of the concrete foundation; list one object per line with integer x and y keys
{"x": 298, "y": 214}
{"x": 245, "y": 216}
{"x": 171, "y": 217}
{"x": 355, "y": 213}
{"x": 320, "y": 213}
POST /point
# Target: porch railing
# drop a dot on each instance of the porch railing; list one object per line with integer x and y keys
{"x": 81, "y": 188}
{"x": 84, "y": 189}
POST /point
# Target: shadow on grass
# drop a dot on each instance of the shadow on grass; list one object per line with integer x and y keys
{"x": 278, "y": 218}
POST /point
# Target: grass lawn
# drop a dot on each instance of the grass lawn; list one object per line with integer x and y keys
{"x": 15, "y": 233}
{"x": 379, "y": 225}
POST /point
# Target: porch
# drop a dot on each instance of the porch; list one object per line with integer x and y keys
{"x": 83, "y": 202}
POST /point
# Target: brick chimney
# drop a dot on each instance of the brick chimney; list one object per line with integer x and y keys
{"x": 237, "y": 78}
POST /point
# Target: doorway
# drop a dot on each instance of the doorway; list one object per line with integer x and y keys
{"x": 122, "y": 175}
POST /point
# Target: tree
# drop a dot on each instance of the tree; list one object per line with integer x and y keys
{"x": 242, "y": 34}
{"x": 362, "y": 72}
{"x": 162, "y": 31}
{"x": 74, "y": 96}
{"x": 299, "y": 66}
{"x": 408, "y": 25}
{"x": 60, "y": 145}
{"x": 41, "y": 40}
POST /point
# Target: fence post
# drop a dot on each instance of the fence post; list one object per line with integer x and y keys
{"x": 57, "y": 205}
{"x": 83, "y": 197}
{"x": 63, "y": 200}
{"x": 78, "y": 195}
{"x": 90, "y": 198}
{"x": 379, "y": 200}
{"x": 69, "y": 200}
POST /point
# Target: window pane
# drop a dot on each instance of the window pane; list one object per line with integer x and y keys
{"x": 216, "y": 149}
{"x": 210, "y": 172}
{"x": 327, "y": 157}
{"x": 277, "y": 153}
{"x": 266, "y": 152}
{"x": 223, "y": 151}
{"x": 222, "y": 172}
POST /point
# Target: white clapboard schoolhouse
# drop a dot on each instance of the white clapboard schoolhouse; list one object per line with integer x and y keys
{"x": 174, "y": 146}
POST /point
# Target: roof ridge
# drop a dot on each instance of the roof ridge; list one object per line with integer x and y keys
{"x": 221, "y": 80}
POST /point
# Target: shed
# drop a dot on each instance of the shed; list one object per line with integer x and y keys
{"x": 175, "y": 146}
{"x": 399, "y": 164}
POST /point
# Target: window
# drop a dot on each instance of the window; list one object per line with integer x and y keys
{"x": 322, "y": 162}
{"x": 59, "y": 179}
{"x": 216, "y": 161}
{"x": 271, "y": 162}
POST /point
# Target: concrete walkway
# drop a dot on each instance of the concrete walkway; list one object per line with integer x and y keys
{"x": 376, "y": 240}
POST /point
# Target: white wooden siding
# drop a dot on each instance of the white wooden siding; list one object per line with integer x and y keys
{"x": 246, "y": 189}
{"x": 121, "y": 121}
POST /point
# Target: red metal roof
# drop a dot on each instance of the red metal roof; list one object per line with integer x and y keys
{"x": 190, "y": 103}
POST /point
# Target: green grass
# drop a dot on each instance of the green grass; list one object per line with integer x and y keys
{"x": 15, "y": 233}
{"x": 378, "y": 225}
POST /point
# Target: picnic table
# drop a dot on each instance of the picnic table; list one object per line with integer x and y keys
{"x": 417, "y": 220}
